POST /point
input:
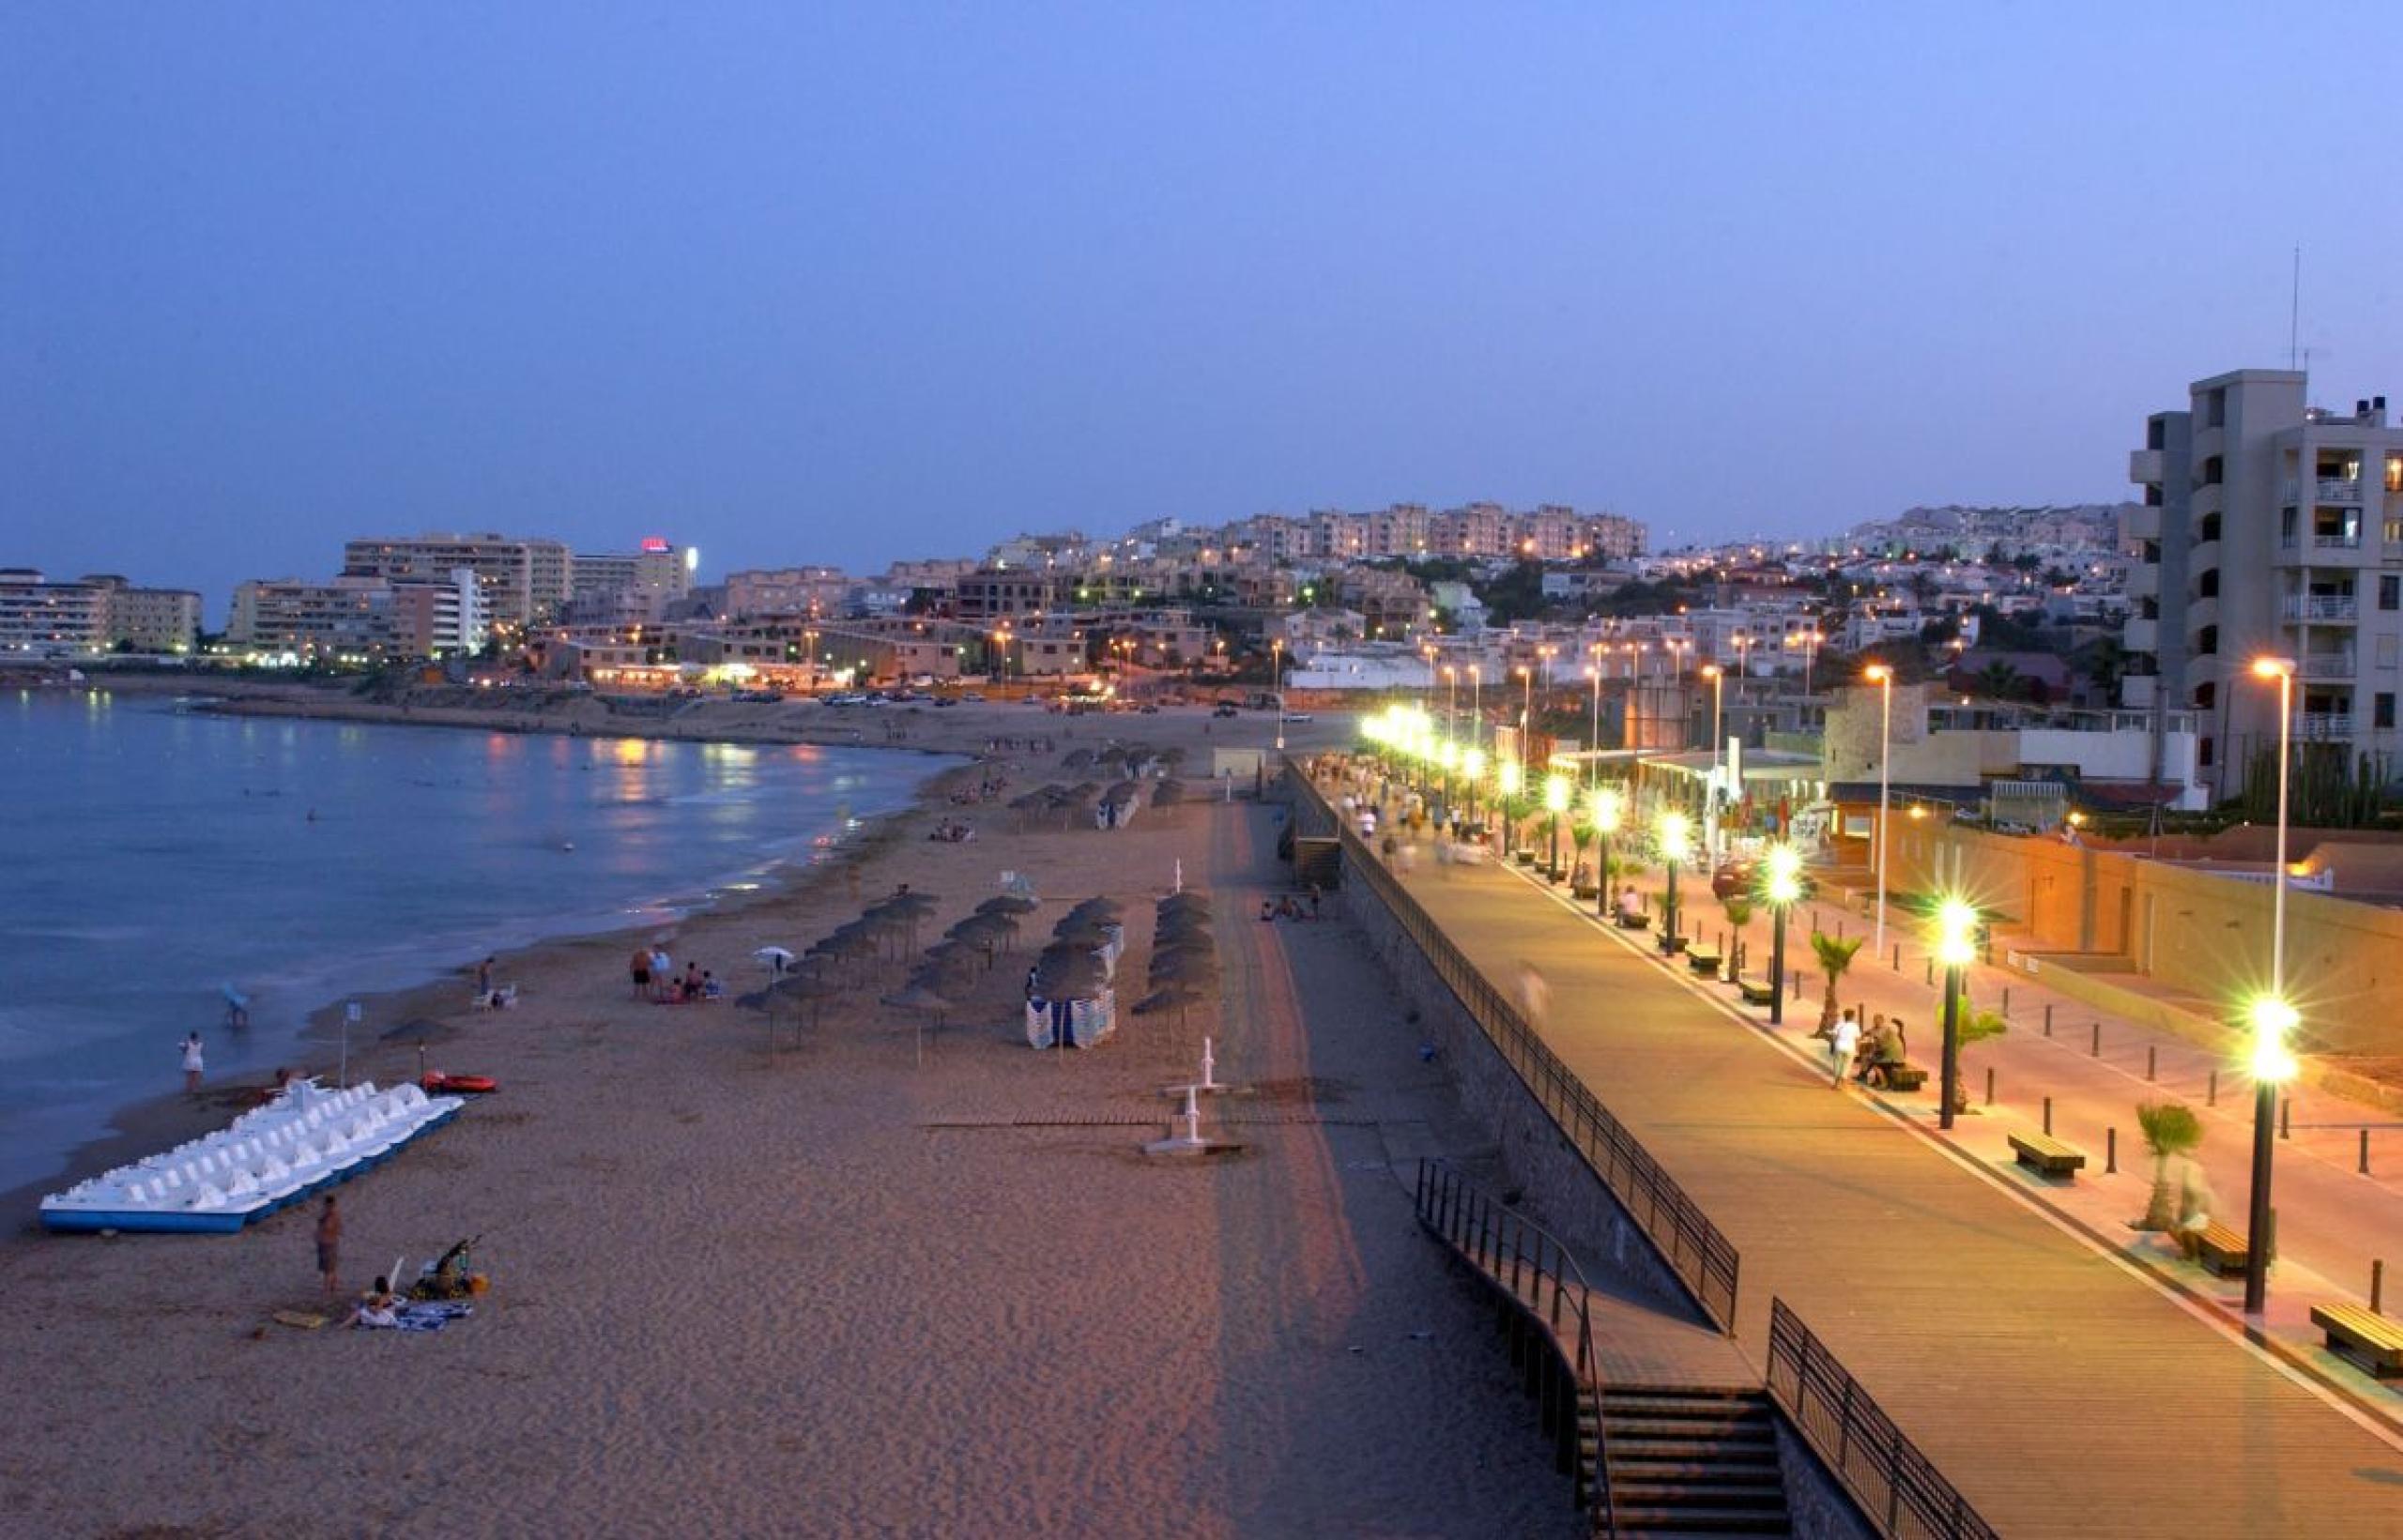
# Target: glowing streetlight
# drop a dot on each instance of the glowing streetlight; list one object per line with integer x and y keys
{"x": 1556, "y": 802}
{"x": 2273, "y": 1017}
{"x": 1473, "y": 766}
{"x": 1512, "y": 778}
{"x": 1718, "y": 677}
{"x": 1782, "y": 885}
{"x": 1602, "y": 806}
{"x": 1277, "y": 684}
{"x": 1883, "y": 676}
{"x": 1956, "y": 947}
{"x": 1676, "y": 831}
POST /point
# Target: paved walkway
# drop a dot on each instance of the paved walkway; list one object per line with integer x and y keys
{"x": 2061, "y": 1390}
{"x": 2334, "y": 1220}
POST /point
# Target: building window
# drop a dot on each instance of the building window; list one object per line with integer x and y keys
{"x": 2208, "y": 643}
{"x": 2203, "y": 752}
{"x": 2215, "y": 409}
{"x": 2381, "y": 710}
{"x": 2394, "y": 473}
{"x": 2390, "y": 591}
{"x": 2210, "y": 526}
{"x": 2207, "y": 585}
{"x": 2214, "y": 469}
{"x": 2206, "y": 696}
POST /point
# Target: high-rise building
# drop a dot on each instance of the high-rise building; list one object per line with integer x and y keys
{"x": 347, "y": 617}
{"x": 43, "y": 619}
{"x": 526, "y": 582}
{"x": 638, "y": 584}
{"x": 156, "y": 621}
{"x": 2269, "y": 528}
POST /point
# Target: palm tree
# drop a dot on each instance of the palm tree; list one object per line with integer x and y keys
{"x": 1739, "y": 914}
{"x": 2171, "y": 1130}
{"x": 1974, "y": 1026}
{"x": 1998, "y": 680}
{"x": 1835, "y": 955}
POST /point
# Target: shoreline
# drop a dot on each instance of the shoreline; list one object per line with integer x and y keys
{"x": 148, "y": 1123}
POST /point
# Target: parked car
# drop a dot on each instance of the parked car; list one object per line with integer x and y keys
{"x": 977, "y": 695}
{"x": 1223, "y": 710}
{"x": 1299, "y": 716}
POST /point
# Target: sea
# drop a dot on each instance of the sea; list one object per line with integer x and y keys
{"x": 154, "y": 854}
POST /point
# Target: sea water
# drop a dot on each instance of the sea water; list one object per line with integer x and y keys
{"x": 153, "y": 854}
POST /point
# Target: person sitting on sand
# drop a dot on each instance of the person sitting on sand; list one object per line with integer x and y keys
{"x": 691, "y": 988}
{"x": 711, "y": 988}
{"x": 378, "y": 1307}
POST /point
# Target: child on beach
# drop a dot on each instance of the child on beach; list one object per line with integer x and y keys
{"x": 191, "y": 1065}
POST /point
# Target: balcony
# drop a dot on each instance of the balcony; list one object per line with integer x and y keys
{"x": 2324, "y": 727}
{"x": 2344, "y": 492}
{"x": 2322, "y": 608}
{"x": 2141, "y": 636}
{"x": 2144, "y": 582}
{"x": 2144, "y": 467}
{"x": 2327, "y": 666}
{"x": 2319, "y": 550}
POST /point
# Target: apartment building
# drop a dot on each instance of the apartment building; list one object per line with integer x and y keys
{"x": 786, "y": 590}
{"x": 39, "y": 619}
{"x": 154, "y": 620}
{"x": 526, "y": 582}
{"x": 2270, "y": 527}
{"x": 635, "y": 585}
{"x": 358, "y": 616}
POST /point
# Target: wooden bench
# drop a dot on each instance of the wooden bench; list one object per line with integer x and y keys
{"x": 2362, "y": 1334}
{"x": 1634, "y": 922}
{"x": 2048, "y": 1154}
{"x": 2222, "y": 1249}
{"x": 1755, "y": 992}
{"x": 1704, "y": 960}
{"x": 1901, "y": 1076}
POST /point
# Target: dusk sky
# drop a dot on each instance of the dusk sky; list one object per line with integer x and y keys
{"x": 846, "y": 284}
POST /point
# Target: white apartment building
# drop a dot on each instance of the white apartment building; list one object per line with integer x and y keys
{"x": 638, "y": 584}
{"x": 526, "y": 582}
{"x": 155, "y": 620}
{"x": 43, "y": 619}
{"x": 283, "y": 614}
{"x": 788, "y": 590}
{"x": 2269, "y": 528}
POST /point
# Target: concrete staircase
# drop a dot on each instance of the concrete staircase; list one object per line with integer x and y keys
{"x": 1691, "y": 1462}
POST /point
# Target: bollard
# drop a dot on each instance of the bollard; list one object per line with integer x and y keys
{"x": 2048, "y": 1021}
{"x": 1898, "y": 956}
{"x": 2152, "y": 1061}
{"x": 2364, "y": 1165}
{"x": 1931, "y": 972}
{"x": 2006, "y": 1002}
{"x": 1797, "y": 984}
{"x": 2211, "y": 1095}
{"x": 2377, "y": 1286}
{"x": 1815, "y": 922}
{"x": 2098, "y": 1040}
{"x": 1839, "y": 927}
{"x": 1989, "y": 1085}
{"x": 2048, "y": 1117}
{"x": 2110, "y": 1152}
{"x": 2286, "y": 1114}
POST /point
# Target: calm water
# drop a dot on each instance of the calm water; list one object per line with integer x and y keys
{"x": 154, "y": 854}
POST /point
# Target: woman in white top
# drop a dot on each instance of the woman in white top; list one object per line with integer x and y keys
{"x": 191, "y": 1065}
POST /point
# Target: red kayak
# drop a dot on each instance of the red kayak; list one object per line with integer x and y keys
{"x": 458, "y": 1085}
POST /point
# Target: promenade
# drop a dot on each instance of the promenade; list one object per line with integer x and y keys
{"x": 2059, "y": 1388}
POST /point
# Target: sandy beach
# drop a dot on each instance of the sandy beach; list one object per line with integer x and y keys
{"x": 827, "y": 1290}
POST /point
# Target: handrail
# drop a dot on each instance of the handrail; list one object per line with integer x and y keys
{"x": 1898, "y": 1488}
{"x": 1487, "y": 1234}
{"x": 1701, "y": 1256}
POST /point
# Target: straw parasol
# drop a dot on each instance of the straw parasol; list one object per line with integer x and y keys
{"x": 1009, "y": 903}
{"x": 1067, "y": 972}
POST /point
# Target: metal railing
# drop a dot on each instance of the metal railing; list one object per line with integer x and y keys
{"x": 2322, "y": 608}
{"x": 1895, "y": 1486}
{"x": 2327, "y": 666}
{"x": 1543, "y": 1285}
{"x": 1705, "y": 1260}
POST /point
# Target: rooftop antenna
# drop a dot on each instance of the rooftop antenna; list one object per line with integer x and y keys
{"x": 2294, "y": 313}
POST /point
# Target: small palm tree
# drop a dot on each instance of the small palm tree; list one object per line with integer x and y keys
{"x": 1975, "y": 1027}
{"x": 1835, "y": 955}
{"x": 2171, "y": 1130}
{"x": 1739, "y": 914}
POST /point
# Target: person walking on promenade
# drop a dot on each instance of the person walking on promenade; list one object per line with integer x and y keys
{"x": 2195, "y": 1204}
{"x": 1841, "y": 1047}
{"x": 1535, "y": 993}
{"x": 191, "y": 1063}
{"x": 329, "y": 1246}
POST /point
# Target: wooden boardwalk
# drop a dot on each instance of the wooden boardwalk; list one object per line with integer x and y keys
{"x": 2063, "y": 1395}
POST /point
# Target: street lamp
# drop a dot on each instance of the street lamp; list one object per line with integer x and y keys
{"x": 1473, "y": 766}
{"x": 1512, "y": 778}
{"x": 2273, "y": 1017}
{"x": 1883, "y": 676}
{"x": 1594, "y": 733}
{"x": 1956, "y": 947}
{"x": 1277, "y": 686}
{"x": 1556, "y": 802}
{"x": 1476, "y": 702}
{"x": 1526, "y": 711}
{"x": 1718, "y": 677}
{"x": 1605, "y": 810}
{"x": 1451, "y": 701}
{"x": 1675, "y": 831}
{"x": 1783, "y": 887}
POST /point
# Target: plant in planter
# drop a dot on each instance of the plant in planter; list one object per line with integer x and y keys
{"x": 1975, "y": 1027}
{"x": 1835, "y": 955}
{"x": 2171, "y": 1133}
{"x": 1581, "y": 883}
{"x": 1739, "y": 914}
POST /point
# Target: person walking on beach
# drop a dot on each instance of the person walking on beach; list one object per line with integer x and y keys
{"x": 640, "y": 971}
{"x": 191, "y": 1065}
{"x": 330, "y": 1246}
{"x": 483, "y": 979}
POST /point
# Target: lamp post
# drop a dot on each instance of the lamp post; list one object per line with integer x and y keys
{"x": 1451, "y": 701}
{"x": 1277, "y": 686}
{"x": 1512, "y": 778}
{"x": 1526, "y": 711}
{"x": 2273, "y": 1017}
{"x": 1594, "y": 739}
{"x": 1605, "y": 807}
{"x": 1718, "y": 677}
{"x": 1784, "y": 886}
{"x": 1675, "y": 830}
{"x": 1956, "y": 947}
{"x": 1883, "y": 676}
{"x": 1476, "y": 703}
{"x": 1473, "y": 768}
{"x": 1556, "y": 802}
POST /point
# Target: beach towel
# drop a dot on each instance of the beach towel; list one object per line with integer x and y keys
{"x": 429, "y": 1315}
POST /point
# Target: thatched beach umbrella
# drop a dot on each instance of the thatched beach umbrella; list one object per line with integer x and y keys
{"x": 1184, "y": 965}
{"x": 1176, "y": 997}
{"x": 1009, "y": 903}
{"x": 1067, "y": 973}
{"x": 1167, "y": 794}
{"x": 1099, "y": 907}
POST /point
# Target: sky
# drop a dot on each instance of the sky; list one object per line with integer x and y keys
{"x": 846, "y": 284}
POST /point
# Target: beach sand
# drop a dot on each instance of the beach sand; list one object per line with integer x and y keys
{"x": 745, "y": 1292}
